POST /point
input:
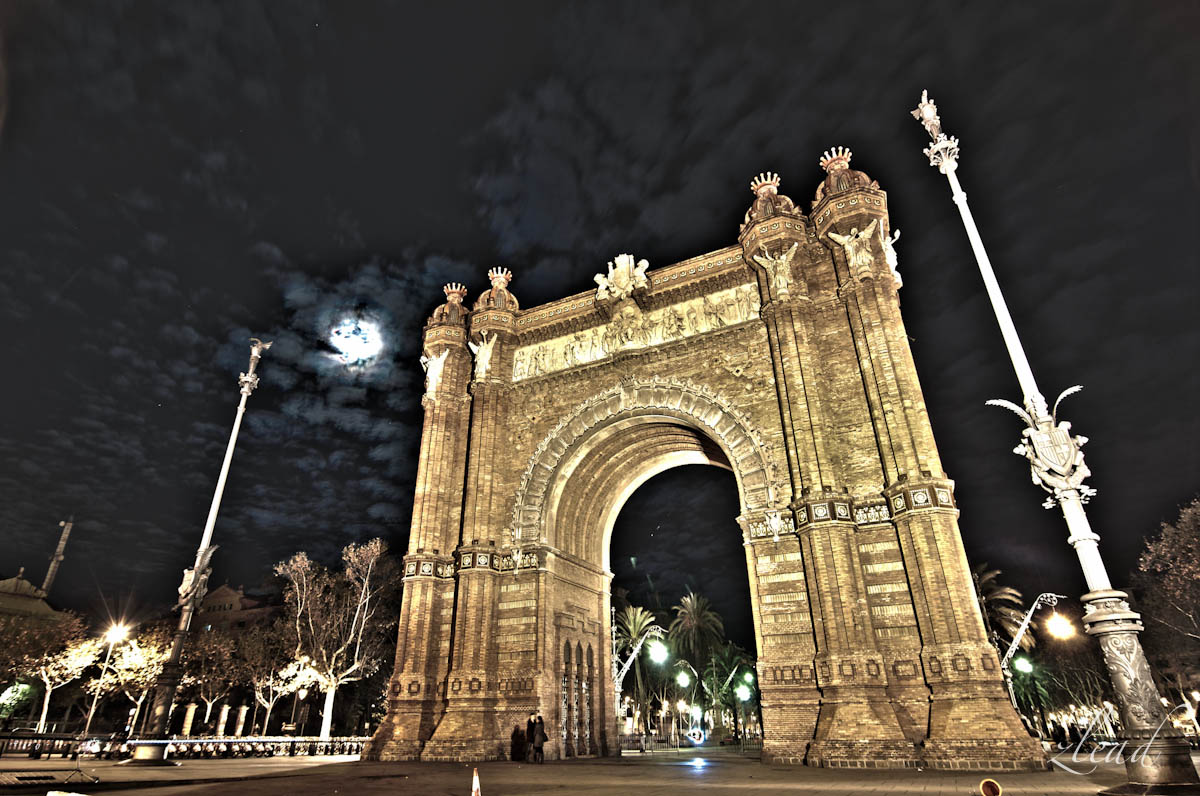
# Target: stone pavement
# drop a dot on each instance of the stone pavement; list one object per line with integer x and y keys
{"x": 710, "y": 772}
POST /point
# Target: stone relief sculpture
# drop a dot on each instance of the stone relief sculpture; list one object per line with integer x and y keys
{"x": 857, "y": 247}
{"x": 779, "y": 267}
{"x": 889, "y": 254}
{"x": 483, "y": 354}
{"x": 624, "y": 276}
{"x": 632, "y": 329}
{"x": 433, "y": 370}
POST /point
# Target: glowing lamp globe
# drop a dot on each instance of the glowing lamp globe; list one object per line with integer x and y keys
{"x": 659, "y": 652}
{"x": 681, "y": 706}
{"x": 1059, "y": 626}
{"x": 742, "y": 692}
{"x": 116, "y": 633}
{"x": 683, "y": 679}
{"x": 749, "y": 677}
{"x": 1023, "y": 665}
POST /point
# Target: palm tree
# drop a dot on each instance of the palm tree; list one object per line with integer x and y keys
{"x": 633, "y": 622}
{"x": 718, "y": 684}
{"x": 697, "y": 628}
{"x": 1003, "y": 607}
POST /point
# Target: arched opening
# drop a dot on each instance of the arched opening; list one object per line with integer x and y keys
{"x": 569, "y": 500}
{"x": 677, "y": 535}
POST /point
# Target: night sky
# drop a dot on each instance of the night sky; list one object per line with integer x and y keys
{"x": 175, "y": 178}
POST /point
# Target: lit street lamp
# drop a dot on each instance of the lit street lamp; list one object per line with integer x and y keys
{"x": 658, "y": 654}
{"x": 195, "y": 582}
{"x": 115, "y": 635}
{"x": 1056, "y": 460}
{"x": 1042, "y": 599}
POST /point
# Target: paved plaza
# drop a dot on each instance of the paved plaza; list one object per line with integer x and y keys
{"x": 708, "y": 771}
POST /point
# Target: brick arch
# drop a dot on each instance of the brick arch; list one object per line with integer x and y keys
{"x": 641, "y": 428}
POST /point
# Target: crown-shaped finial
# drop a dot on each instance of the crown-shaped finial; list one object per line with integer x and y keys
{"x": 836, "y": 159}
{"x": 455, "y": 291}
{"x": 500, "y": 277}
{"x": 767, "y": 182}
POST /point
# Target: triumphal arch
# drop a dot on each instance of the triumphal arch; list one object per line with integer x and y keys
{"x": 782, "y": 358}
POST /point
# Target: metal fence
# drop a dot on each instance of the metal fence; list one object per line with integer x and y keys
{"x": 48, "y": 745}
{"x": 648, "y": 743}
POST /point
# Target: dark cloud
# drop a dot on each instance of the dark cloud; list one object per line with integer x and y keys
{"x": 176, "y": 179}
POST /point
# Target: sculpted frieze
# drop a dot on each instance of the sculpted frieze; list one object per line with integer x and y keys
{"x": 631, "y": 328}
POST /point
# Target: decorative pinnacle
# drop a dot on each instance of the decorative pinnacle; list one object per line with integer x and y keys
{"x": 943, "y": 152}
{"x": 927, "y": 114}
{"x": 836, "y": 159}
{"x": 455, "y": 292}
{"x": 500, "y": 277}
{"x": 765, "y": 183}
{"x": 249, "y": 380}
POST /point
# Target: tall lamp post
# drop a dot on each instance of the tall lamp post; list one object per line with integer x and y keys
{"x": 195, "y": 583}
{"x": 115, "y": 635}
{"x": 1055, "y": 456}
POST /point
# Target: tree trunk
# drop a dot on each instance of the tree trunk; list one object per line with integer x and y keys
{"x": 137, "y": 712}
{"x": 327, "y": 715}
{"x": 208, "y": 706}
{"x": 45, "y": 709}
{"x": 267, "y": 718}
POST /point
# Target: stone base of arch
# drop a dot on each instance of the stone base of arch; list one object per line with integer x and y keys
{"x": 859, "y": 729}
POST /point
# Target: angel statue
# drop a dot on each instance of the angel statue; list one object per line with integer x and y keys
{"x": 483, "y": 354}
{"x": 625, "y": 274}
{"x": 433, "y": 370}
{"x": 601, "y": 286}
{"x": 857, "y": 246}
{"x": 889, "y": 254}
{"x": 779, "y": 267}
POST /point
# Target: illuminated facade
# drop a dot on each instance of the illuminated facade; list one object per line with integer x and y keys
{"x": 783, "y": 359}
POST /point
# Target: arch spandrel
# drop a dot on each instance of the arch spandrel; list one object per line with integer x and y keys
{"x": 633, "y": 403}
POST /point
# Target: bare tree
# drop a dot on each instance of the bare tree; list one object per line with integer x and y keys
{"x": 340, "y": 618}
{"x": 1168, "y": 575}
{"x": 265, "y": 662}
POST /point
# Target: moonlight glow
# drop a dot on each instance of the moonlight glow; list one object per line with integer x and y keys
{"x": 356, "y": 340}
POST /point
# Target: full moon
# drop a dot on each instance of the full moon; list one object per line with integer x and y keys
{"x": 356, "y": 340}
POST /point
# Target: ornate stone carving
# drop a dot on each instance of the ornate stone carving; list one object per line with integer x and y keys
{"x": 768, "y": 202}
{"x": 778, "y": 267}
{"x": 889, "y": 254}
{"x": 625, "y": 275}
{"x": 483, "y": 354}
{"x": 868, "y": 514}
{"x": 1055, "y": 456}
{"x": 857, "y": 246}
{"x": 433, "y": 366}
{"x": 631, "y": 328}
{"x": 742, "y": 444}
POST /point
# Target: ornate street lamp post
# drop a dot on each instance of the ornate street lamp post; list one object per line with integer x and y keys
{"x": 619, "y": 670}
{"x": 1160, "y": 757}
{"x": 195, "y": 582}
{"x": 1046, "y": 598}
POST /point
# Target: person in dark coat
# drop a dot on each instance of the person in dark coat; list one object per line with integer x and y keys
{"x": 516, "y": 749}
{"x": 539, "y": 741}
{"x": 530, "y": 726}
